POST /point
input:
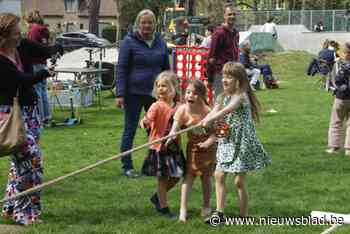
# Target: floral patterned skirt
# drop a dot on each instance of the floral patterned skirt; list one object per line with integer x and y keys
{"x": 26, "y": 171}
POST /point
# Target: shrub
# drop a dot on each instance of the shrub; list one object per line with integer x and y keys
{"x": 109, "y": 33}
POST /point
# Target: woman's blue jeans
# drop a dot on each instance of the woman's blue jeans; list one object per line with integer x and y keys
{"x": 41, "y": 91}
{"x": 133, "y": 105}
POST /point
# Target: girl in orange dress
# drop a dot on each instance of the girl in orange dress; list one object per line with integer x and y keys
{"x": 200, "y": 146}
{"x": 166, "y": 162}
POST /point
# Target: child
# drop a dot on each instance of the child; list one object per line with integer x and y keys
{"x": 201, "y": 149}
{"x": 239, "y": 149}
{"x": 341, "y": 105}
{"x": 165, "y": 162}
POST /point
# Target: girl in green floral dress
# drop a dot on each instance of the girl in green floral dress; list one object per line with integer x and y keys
{"x": 239, "y": 149}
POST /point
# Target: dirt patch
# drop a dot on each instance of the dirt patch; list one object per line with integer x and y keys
{"x": 5, "y": 228}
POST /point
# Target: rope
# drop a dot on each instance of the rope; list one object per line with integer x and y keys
{"x": 331, "y": 229}
{"x": 92, "y": 166}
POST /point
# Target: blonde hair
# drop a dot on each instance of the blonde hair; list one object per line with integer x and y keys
{"x": 246, "y": 48}
{"x": 170, "y": 79}
{"x": 8, "y": 22}
{"x": 325, "y": 44}
{"x": 138, "y": 19}
{"x": 34, "y": 16}
{"x": 237, "y": 72}
{"x": 346, "y": 47}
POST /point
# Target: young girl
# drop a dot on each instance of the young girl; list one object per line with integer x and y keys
{"x": 239, "y": 149}
{"x": 165, "y": 162}
{"x": 201, "y": 149}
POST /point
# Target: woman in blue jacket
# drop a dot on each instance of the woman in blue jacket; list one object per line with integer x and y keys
{"x": 142, "y": 56}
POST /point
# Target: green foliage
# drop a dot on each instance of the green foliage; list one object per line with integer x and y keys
{"x": 128, "y": 14}
{"x": 109, "y": 33}
{"x": 302, "y": 178}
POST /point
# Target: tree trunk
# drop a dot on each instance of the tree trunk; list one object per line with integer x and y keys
{"x": 118, "y": 31}
{"x": 94, "y": 10}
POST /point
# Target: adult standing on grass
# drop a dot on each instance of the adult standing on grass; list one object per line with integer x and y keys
{"x": 16, "y": 76}
{"x": 341, "y": 105}
{"x": 224, "y": 48}
{"x": 270, "y": 27}
{"x": 142, "y": 56}
{"x": 39, "y": 32}
{"x": 208, "y": 34}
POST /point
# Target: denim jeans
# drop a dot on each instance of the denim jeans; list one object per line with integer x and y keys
{"x": 41, "y": 91}
{"x": 133, "y": 105}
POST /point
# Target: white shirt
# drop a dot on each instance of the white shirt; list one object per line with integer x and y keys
{"x": 269, "y": 27}
{"x": 206, "y": 42}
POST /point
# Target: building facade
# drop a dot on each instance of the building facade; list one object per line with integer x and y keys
{"x": 70, "y": 15}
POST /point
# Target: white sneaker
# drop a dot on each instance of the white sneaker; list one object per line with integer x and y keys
{"x": 332, "y": 150}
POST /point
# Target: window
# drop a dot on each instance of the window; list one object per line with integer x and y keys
{"x": 81, "y": 26}
{"x": 280, "y": 5}
{"x": 71, "y": 5}
{"x": 70, "y": 27}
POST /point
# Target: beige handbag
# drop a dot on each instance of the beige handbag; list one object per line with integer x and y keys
{"x": 12, "y": 130}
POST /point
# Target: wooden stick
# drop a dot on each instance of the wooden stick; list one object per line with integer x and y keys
{"x": 92, "y": 166}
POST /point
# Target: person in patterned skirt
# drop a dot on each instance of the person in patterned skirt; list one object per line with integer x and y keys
{"x": 239, "y": 150}
{"x": 166, "y": 162}
{"x": 26, "y": 168}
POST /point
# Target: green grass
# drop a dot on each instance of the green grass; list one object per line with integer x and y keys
{"x": 302, "y": 177}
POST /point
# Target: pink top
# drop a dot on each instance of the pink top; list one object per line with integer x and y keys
{"x": 41, "y": 34}
{"x": 158, "y": 117}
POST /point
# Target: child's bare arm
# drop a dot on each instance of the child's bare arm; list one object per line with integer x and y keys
{"x": 217, "y": 114}
{"x": 173, "y": 130}
{"x": 144, "y": 123}
{"x": 206, "y": 121}
{"x": 207, "y": 143}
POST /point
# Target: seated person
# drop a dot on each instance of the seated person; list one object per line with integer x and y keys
{"x": 254, "y": 69}
{"x": 253, "y": 73}
{"x": 319, "y": 27}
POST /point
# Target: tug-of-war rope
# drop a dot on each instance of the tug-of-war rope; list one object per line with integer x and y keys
{"x": 319, "y": 214}
{"x": 95, "y": 165}
{"x": 331, "y": 218}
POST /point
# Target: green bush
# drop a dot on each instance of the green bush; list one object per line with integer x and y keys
{"x": 109, "y": 33}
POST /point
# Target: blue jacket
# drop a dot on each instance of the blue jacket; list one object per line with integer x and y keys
{"x": 139, "y": 64}
{"x": 342, "y": 81}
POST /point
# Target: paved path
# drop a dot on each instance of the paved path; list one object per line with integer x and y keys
{"x": 298, "y": 37}
{"x": 4, "y": 228}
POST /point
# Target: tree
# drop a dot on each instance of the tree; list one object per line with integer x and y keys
{"x": 94, "y": 11}
{"x": 118, "y": 31}
{"x": 126, "y": 15}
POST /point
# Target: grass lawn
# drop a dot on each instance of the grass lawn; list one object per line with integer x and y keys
{"x": 302, "y": 177}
